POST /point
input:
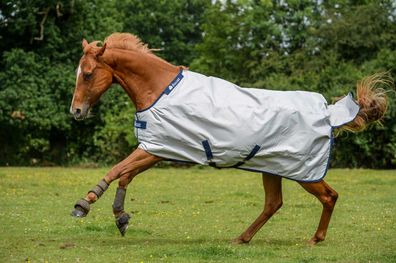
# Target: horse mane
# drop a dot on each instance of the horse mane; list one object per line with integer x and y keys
{"x": 126, "y": 41}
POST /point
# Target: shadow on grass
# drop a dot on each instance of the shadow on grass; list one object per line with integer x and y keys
{"x": 194, "y": 242}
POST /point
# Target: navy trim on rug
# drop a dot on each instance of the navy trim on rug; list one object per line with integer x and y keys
{"x": 137, "y": 130}
{"x": 174, "y": 83}
{"x": 167, "y": 90}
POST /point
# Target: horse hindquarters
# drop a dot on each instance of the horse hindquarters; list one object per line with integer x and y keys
{"x": 273, "y": 201}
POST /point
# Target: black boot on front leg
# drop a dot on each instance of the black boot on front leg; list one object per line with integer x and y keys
{"x": 122, "y": 218}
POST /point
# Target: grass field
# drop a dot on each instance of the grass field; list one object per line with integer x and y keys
{"x": 190, "y": 215}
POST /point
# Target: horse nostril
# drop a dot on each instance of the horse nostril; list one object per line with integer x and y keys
{"x": 77, "y": 113}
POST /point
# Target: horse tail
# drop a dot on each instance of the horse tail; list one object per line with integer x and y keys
{"x": 372, "y": 99}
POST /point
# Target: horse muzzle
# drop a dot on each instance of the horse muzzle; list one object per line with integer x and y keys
{"x": 80, "y": 113}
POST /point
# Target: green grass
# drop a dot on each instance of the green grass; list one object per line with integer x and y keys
{"x": 190, "y": 215}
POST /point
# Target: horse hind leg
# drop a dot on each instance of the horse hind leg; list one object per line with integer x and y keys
{"x": 121, "y": 217}
{"x": 126, "y": 170}
{"x": 328, "y": 197}
{"x": 273, "y": 201}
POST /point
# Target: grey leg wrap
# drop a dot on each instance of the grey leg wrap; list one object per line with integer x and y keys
{"x": 122, "y": 218}
{"x": 100, "y": 188}
{"x": 119, "y": 199}
{"x": 81, "y": 208}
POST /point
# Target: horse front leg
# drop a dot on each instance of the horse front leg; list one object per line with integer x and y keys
{"x": 128, "y": 169}
{"x": 134, "y": 164}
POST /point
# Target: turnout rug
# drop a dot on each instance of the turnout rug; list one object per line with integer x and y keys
{"x": 211, "y": 121}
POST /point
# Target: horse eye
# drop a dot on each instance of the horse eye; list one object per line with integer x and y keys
{"x": 87, "y": 76}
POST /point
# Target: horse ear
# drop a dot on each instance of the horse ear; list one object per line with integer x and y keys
{"x": 101, "y": 51}
{"x": 84, "y": 43}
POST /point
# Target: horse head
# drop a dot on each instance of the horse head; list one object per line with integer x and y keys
{"x": 94, "y": 77}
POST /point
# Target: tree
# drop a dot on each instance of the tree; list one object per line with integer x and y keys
{"x": 323, "y": 46}
{"x": 40, "y": 49}
{"x": 171, "y": 26}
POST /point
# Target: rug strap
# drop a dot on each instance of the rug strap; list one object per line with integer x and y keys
{"x": 252, "y": 153}
{"x": 209, "y": 155}
{"x": 247, "y": 158}
{"x": 208, "y": 150}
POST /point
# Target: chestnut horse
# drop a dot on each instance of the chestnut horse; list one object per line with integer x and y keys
{"x": 125, "y": 60}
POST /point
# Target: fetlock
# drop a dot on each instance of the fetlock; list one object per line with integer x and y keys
{"x": 91, "y": 197}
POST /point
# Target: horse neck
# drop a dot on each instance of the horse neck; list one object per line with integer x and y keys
{"x": 143, "y": 76}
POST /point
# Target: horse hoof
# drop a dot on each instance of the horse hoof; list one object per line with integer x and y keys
{"x": 238, "y": 241}
{"x": 122, "y": 222}
{"x": 313, "y": 241}
{"x": 81, "y": 208}
{"x": 78, "y": 213}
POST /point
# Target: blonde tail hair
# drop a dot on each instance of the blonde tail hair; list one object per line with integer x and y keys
{"x": 372, "y": 99}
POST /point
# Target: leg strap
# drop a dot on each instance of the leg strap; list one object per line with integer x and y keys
{"x": 119, "y": 199}
{"x": 100, "y": 188}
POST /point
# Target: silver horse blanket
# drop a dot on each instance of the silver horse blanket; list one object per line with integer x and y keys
{"x": 208, "y": 120}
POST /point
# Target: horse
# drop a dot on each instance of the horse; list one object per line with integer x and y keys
{"x": 151, "y": 82}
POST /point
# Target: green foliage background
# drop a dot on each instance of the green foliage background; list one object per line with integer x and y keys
{"x": 322, "y": 46}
